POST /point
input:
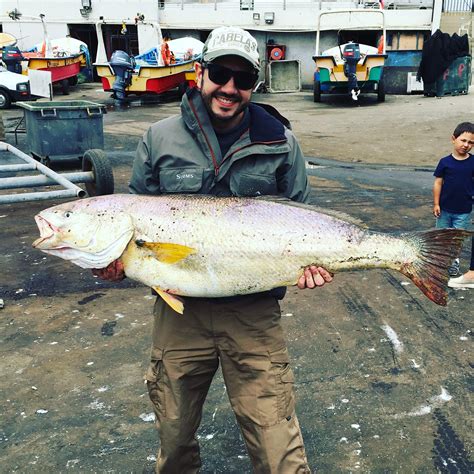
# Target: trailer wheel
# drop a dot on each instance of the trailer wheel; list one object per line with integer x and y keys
{"x": 97, "y": 162}
{"x": 65, "y": 86}
{"x": 381, "y": 91}
{"x": 5, "y": 100}
{"x": 317, "y": 91}
{"x": 182, "y": 88}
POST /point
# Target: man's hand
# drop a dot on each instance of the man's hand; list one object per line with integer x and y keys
{"x": 436, "y": 210}
{"x": 113, "y": 272}
{"x": 314, "y": 276}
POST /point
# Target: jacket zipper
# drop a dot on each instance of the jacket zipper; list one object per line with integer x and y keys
{"x": 213, "y": 156}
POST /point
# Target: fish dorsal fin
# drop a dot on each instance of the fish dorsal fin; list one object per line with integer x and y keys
{"x": 329, "y": 212}
{"x": 173, "y": 301}
{"x": 167, "y": 252}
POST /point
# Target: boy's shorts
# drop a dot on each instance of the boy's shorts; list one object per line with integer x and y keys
{"x": 452, "y": 220}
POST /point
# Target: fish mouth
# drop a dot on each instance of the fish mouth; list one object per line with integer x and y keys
{"x": 47, "y": 232}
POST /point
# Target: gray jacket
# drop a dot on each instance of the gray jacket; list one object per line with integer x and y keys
{"x": 181, "y": 154}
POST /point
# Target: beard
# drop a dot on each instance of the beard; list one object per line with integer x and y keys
{"x": 218, "y": 114}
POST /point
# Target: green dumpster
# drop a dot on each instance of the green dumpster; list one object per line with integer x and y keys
{"x": 65, "y": 128}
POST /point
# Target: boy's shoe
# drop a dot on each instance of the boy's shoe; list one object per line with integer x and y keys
{"x": 453, "y": 269}
{"x": 460, "y": 282}
{"x": 354, "y": 94}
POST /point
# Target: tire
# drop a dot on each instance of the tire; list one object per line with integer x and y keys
{"x": 97, "y": 162}
{"x": 65, "y": 86}
{"x": 5, "y": 100}
{"x": 317, "y": 91}
{"x": 381, "y": 91}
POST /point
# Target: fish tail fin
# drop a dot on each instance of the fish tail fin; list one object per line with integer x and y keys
{"x": 437, "y": 248}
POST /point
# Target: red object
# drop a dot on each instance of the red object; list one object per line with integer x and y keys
{"x": 275, "y": 52}
{"x": 63, "y": 72}
{"x": 166, "y": 54}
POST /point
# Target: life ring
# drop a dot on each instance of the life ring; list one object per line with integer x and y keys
{"x": 166, "y": 54}
{"x": 276, "y": 54}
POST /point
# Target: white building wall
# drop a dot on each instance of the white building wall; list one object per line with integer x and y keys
{"x": 295, "y": 21}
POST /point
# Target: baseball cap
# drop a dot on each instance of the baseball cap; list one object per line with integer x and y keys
{"x": 230, "y": 40}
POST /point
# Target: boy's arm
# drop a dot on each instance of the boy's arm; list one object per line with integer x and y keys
{"x": 437, "y": 186}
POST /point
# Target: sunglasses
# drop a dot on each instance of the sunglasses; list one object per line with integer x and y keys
{"x": 221, "y": 75}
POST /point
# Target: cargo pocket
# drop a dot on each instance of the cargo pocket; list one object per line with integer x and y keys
{"x": 248, "y": 184}
{"x": 154, "y": 381}
{"x": 181, "y": 180}
{"x": 284, "y": 383}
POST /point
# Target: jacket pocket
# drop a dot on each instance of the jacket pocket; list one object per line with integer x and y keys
{"x": 249, "y": 184}
{"x": 181, "y": 180}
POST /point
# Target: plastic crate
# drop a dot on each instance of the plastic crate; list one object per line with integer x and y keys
{"x": 67, "y": 128}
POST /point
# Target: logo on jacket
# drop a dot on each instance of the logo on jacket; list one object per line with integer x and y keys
{"x": 180, "y": 176}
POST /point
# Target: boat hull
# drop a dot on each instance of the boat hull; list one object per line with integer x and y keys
{"x": 151, "y": 79}
{"x": 60, "y": 68}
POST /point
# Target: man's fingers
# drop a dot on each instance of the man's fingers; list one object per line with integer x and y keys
{"x": 113, "y": 272}
{"x": 313, "y": 276}
{"x": 325, "y": 274}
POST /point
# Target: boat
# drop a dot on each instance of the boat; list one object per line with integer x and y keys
{"x": 351, "y": 67}
{"x": 64, "y": 58}
{"x": 167, "y": 65}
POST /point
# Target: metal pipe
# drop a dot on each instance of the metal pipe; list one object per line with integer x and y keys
{"x": 43, "y": 169}
{"x": 32, "y": 181}
{"x": 16, "y": 168}
{"x": 39, "y": 196}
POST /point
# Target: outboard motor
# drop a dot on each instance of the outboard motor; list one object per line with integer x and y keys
{"x": 122, "y": 65}
{"x": 12, "y": 57}
{"x": 351, "y": 56}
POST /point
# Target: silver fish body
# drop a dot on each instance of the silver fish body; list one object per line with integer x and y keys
{"x": 194, "y": 245}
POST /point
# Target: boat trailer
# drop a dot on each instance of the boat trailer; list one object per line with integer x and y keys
{"x": 45, "y": 177}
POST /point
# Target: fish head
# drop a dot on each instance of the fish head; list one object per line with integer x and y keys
{"x": 87, "y": 235}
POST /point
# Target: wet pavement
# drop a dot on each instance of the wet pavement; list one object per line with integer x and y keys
{"x": 384, "y": 376}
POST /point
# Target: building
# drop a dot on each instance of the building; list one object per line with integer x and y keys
{"x": 288, "y": 23}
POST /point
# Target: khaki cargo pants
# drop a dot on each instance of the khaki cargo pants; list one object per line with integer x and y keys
{"x": 245, "y": 335}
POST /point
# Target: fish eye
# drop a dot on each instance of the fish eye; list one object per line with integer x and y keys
{"x": 68, "y": 214}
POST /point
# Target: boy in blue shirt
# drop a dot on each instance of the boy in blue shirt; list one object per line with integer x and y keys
{"x": 453, "y": 185}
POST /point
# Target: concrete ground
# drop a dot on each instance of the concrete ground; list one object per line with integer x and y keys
{"x": 384, "y": 376}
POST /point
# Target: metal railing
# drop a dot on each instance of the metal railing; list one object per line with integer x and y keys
{"x": 249, "y": 5}
{"x": 454, "y": 6}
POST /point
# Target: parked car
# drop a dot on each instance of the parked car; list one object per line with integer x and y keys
{"x": 13, "y": 88}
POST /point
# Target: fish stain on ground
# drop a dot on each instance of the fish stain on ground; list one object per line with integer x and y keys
{"x": 449, "y": 452}
{"x": 108, "y": 328}
{"x": 90, "y": 298}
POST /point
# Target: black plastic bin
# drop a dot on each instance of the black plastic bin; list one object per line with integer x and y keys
{"x": 66, "y": 128}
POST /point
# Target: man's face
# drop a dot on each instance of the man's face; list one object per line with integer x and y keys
{"x": 463, "y": 143}
{"x": 224, "y": 103}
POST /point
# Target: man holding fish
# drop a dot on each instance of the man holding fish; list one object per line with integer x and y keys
{"x": 223, "y": 145}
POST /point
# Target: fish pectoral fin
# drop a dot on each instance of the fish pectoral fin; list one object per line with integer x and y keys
{"x": 174, "y": 302}
{"x": 166, "y": 252}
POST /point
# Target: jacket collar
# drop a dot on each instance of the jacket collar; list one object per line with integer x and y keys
{"x": 263, "y": 126}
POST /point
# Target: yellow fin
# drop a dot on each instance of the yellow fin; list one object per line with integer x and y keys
{"x": 173, "y": 301}
{"x": 165, "y": 252}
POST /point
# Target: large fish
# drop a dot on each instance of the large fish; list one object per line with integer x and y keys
{"x": 194, "y": 245}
